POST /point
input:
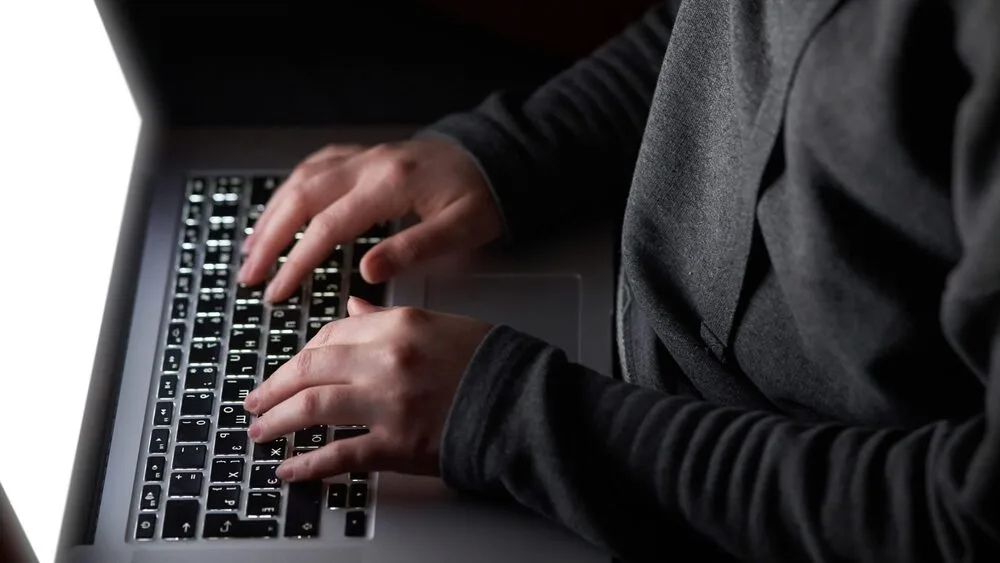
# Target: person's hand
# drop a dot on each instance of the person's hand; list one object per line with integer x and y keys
{"x": 393, "y": 370}
{"x": 341, "y": 191}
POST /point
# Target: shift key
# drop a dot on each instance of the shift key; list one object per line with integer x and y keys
{"x": 302, "y": 515}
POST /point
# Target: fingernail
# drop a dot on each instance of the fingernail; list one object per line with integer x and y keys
{"x": 272, "y": 290}
{"x": 250, "y": 404}
{"x": 285, "y": 473}
{"x": 248, "y": 244}
{"x": 245, "y": 272}
{"x": 254, "y": 430}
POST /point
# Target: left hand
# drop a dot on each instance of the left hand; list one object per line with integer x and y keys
{"x": 393, "y": 370}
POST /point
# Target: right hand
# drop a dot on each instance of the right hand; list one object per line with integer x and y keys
{"x": 341, "y": 191}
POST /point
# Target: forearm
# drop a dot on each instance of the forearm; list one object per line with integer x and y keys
{"x": 637, "y": 471}
{"x": 570, "y": 147}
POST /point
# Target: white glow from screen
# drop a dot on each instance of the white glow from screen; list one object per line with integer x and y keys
{"x": 68, "y": 131}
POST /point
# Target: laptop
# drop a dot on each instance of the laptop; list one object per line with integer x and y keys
{"x": 164, "y": 471}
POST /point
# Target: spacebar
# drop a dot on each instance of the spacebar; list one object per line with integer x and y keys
{"x": 229, "y": 525}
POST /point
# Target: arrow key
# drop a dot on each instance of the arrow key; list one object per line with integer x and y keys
{"x": 180, "y": 519}
{"x": 229, "y": 525}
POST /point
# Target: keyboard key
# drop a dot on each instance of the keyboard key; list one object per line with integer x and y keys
{"x": 180, "y": 309}
{"x": 271, "y": 365}
{"x": 164, "y": 414}
{"x": 312, "y": 328}
{"x": 180, "y": 519}
{"x": 219, "y": 255}
{"x": 192, "y": 234}
{"x": 357, "y": 496}
{"x": 374, "y": 294}
{"x": 225, "y": 209}
{"x": 145, "y": 526}
{"x": 270, "y": 451}
{"x": 185, "y": 484}
{"x": 335, "y": 260}
{"x": 212, "y": 303}
{"x": 326, "y": 282}
{"x": 354, "y": 524}
{"x": 263, "y": 504}
{"x": 241, "y": 364}
{"x": 236, "y": 390}
{"x": 204, "y": 352}
{"x": 184, "y": 284}
{"x": 208, "y": 327}
{"x": 286, "y": 319}
{"x": 324, "y": 306}
{"x": 262, "y": 188}
{"x": 190, "y": 457}
{"x": 227, "y": 470}
{"x": 216, "y": 279}
{"x": 377, "y": 231}
{"x": 187, "y": 259}
{"x": 230, "y": 443}
{"x": 345, "y": 433}
{"x": 220, "y": 231}
{"x": 159, "y": 440}
{"x": 224, "y": 497}
{"x": 154, "y": 468}
{"x": 250, "y": 293}
{"x": 175, "y": 334}
{"x": 312, "y": 437}
{"x": 150, "y": 497}
{"x": 360, "y": 249}
{"x": 197, "y": 404}
{"x": 195, "y": 213}
{"x": 196, "y": 187}
{"x": 248, "y": 314}
{"x": 233, "y": 416}
{"x": 167, "y": 388}
{"x": 172, "y": 359}
{"x": 303, "y": 510}
{"x": 244, "y": 339}
{"x": 201, "y": 377}
{"x": 336, "y": 495}
{"x": 193, "y": 430}
{"x": 282, "y": 344}
{"x": 220, "y": 525}
{"x": 262, "y": 476}
{"x": 293, "y": 300}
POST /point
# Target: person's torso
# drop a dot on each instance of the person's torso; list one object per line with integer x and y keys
{"x": 789, "y": 229}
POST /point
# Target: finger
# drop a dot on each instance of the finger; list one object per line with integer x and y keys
{"x": 303, "y": 200}
{"x": 322, "y": 405}
{"x": 354, "y": 330}
{"x": 337, "y": 224}
{"x": 447, "y": 231}
{"x": 311, "y": 367}
{"x": 358, "y": 306}
{"x": 331, "y": 152}
{"x": 362, "y": 453}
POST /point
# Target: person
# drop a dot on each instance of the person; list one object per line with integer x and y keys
{"x": 808, "y": 305}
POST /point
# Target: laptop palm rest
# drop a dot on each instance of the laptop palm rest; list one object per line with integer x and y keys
{"x": 543, "y": 305}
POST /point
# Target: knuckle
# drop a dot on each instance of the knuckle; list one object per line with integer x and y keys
{"x": 398, "y": 170}
{"x": 302, "y": 363}
{"x": 326, "y": 332}
{"x": 405, "y": 249}
{"x": 403, "y": 356}
{"x": 312, "y": 402}
{"x": 322, "y": 226}
{"x": 411, "y": 316}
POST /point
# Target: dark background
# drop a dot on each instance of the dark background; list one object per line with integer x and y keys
{"x": 263, "y": 63}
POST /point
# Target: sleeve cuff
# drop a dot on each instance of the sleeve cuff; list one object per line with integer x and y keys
{"x": 475, "y": 429}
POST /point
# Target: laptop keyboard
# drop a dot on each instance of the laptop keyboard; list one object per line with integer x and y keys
{"x": 201, "y": 476}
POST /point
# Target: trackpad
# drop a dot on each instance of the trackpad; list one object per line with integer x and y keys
{"x": 544, "y": 306}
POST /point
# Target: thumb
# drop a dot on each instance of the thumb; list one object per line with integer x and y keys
{"x": 358, "y": 306}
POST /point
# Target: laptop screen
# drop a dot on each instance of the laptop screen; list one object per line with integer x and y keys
{"x": 69, "y": 135}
